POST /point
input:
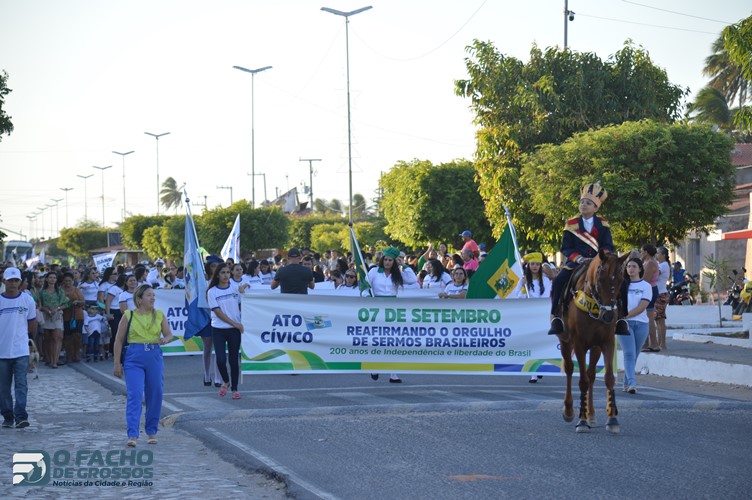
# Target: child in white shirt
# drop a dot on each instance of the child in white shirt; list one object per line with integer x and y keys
{"x": 94, "y": 328}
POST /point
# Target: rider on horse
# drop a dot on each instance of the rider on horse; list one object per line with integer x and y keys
{"x": 583, "y": 237}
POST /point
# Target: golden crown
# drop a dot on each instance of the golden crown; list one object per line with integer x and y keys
{"x": 594, "y": 192}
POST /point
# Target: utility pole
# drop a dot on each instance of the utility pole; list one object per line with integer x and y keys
{"x": 227, "y": 187}
{"x": 310, "y": 173}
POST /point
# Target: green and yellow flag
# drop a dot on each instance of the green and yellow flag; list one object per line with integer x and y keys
{"x": 500, "y": 273}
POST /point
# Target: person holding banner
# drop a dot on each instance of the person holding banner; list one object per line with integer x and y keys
{"x": 457, "y": 289}
{"x": 146, "y": 329}
{"x": 386, "y": 279}
{"x": 583, "y": 237}
{"x": 223, "y": 296}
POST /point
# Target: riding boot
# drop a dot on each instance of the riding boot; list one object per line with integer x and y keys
{"x": 557, "y": 326}
{"x": 622, "y": 328}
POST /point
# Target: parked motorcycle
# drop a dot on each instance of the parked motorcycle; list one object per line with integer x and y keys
{"x": 745, "y": 305}
{"x": 734, "y": 293}
{"x": 678, "y": 295}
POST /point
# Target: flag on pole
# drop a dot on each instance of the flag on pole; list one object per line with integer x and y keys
{"x": 500, "y": 273}
{"x": 360, "y": 266}
{"x": 231, "y": 249}
{"x": 195, "y": 281}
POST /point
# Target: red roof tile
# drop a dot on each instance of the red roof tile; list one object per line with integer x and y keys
{"x": 742, "y": 155}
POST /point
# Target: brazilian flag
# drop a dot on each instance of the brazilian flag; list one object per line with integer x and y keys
{"x": 500, "y": 273}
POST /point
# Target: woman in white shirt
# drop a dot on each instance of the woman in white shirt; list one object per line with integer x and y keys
{"x": 639, "y": 295}
{"x": 386, "y": 279}
{"x": 437, "y": 276}
{"x": 535, "y": 283}
{"x": 458, "y": 287}
{"x": 664, "y": 274}
{"x": 265, "y": 272}
{"x": 109, "y": 278}
{"x": 223, "y": 297}
{"x": 89, "y": 286}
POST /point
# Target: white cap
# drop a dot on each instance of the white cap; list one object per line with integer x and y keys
{"x": 158, "y": 261}
{"x": 12, "y": 273}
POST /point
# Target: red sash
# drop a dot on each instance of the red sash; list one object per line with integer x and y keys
{"x": 585, "y": 237}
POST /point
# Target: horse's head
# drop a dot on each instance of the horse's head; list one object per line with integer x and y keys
{"x": 604, "y": 278}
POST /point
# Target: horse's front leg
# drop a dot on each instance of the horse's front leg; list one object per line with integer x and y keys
{"x": 582, "y": 424}
{"x": 612, "y": 425}
{"x": 566, "y": 356}
{"x": 595, "y": 356}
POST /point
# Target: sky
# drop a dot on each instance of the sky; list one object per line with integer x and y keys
{"x": 92, "y": 76}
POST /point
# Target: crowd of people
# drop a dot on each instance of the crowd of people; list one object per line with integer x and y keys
{"x": 76, "y": 314}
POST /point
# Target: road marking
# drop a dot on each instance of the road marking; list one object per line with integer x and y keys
{"x": 269, "y": 462}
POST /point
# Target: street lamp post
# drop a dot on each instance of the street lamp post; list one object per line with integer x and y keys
{"x": 264, "y": 176}
{"x": 310, "y": 172}
{"x": 57, "y": 213}
{"x": 227, "y": 187}
{"x": 52, "y": 231}
{"x": 66, "y": 203}
{"x": 41, "y": 217}
{"x": 32, "y": 219}
{"x": 123, "y": 155}
{"x": 347, "y": 15}
{"x": 253, "y": 131}
{"x": 568, "y": 16}
{"x": 157, "y": 136}
{"x": 102, "y": 169}
{"x": 86, "y": 196}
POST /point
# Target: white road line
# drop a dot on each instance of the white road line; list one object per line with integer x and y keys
{"x": 269, "y": 462}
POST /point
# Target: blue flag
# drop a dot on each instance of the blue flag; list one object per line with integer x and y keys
{"x": 199, "y": 317}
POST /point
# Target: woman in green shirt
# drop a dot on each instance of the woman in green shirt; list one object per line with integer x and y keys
{"x": 147, "y": 329}
{"x": 52, "y": 301}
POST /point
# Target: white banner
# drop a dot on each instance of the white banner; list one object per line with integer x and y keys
{"x": 288, "y": 333}
{"x": 172, "y": 304}
{"x": 104, "y": 260}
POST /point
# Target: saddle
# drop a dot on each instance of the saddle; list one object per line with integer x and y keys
{"x": 570, "y": 289}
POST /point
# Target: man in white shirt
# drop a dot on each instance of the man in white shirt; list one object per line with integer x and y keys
{"x": 17, "y": 318}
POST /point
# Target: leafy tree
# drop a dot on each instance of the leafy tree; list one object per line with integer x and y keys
{"x": 171, "y": 195}
{"x": 300, "y": 228}
{"x": 737, "y": 40}
{"x": 423, "y": 202}
{"x": 259, "y": 227}
{"x": 6, "y": 126}
{"x": 87, "y": 224}
{"x": 368, "y": 233}
{"x": 329, "y": 237}
{"x": 78, "y": 241}
{"x": 133, "y": 228}
{"x": 152, "y": 242}
{"x": 359, "y": 206}
{"x": 663, "y": 180}
{"x": 173, "y": 237}
{"x": 519, "y": 106}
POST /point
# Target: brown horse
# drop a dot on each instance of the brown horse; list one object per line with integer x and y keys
{"x": 590, "y": 326}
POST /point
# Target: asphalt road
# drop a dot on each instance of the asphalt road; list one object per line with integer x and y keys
{"x": 345, "y": 436}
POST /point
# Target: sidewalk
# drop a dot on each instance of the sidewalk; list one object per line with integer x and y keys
{"x": 696, "y": 355}
{"x": 69, "y": 411}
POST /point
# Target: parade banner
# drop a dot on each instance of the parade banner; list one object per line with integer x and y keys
{"x": 314, "y": 334}
{"x": 172, "y": 304}
{"x": 104, "y": 260}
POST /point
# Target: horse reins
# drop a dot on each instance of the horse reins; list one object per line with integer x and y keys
{"x": 593, "y": 291}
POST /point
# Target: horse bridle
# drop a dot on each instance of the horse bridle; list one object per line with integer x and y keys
{"x": 593, "y": 292}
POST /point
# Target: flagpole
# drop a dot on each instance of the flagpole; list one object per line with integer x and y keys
{"x": 190, "y": 216}
{"x": 513, "y": 232}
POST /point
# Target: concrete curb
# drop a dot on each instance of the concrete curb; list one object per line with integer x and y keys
{"x": 701, "y": 370}
{"x": 707, "y": 338}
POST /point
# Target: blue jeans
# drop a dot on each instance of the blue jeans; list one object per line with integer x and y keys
{"x": 630, "y": 346}
{"x": 92, "y": 344}
{"x": 144, "y": 376}
{"x": 13, "y": 371}
{"x": 231, "y": 338}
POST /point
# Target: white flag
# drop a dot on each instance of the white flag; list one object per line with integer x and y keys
{"x": 231, "y": 250}
{"x": 104, "y": 260}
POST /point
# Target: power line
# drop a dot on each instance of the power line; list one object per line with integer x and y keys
{"x": 677, "y": 13}
{"x": 649, "y": 25}
{"x": 430, "y": 51}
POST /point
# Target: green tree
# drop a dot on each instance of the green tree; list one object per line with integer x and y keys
{"x": 133, "y": 228}
{"x": 519, "y": 106}
{"x": 259, "y": 227}
{"x": 423, "y": 202}
{"x": 359, "y": 206}
{"x": 329, "y": 237}
{"x": 299, "y": 234}
{"x": 6, "y": 126}
{"x": 710, "y": 107}
{"x": 152, "y": 242}
{"x": 171, "y": 195}
{"x": 725, "y": 76}
{"x": 737, "y": 40}
{"x": 663, "y": 180}
{"x": 78, "y": 241}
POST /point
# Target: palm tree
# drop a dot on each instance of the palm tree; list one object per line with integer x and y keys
{"x": 171, "y": 195}
{"x": 359, "y": 205}
{"x": 710, "y": 107}
{"x": 725, "y": 75}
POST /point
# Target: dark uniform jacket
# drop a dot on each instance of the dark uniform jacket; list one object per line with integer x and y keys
{"x": 579, "y": 243}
